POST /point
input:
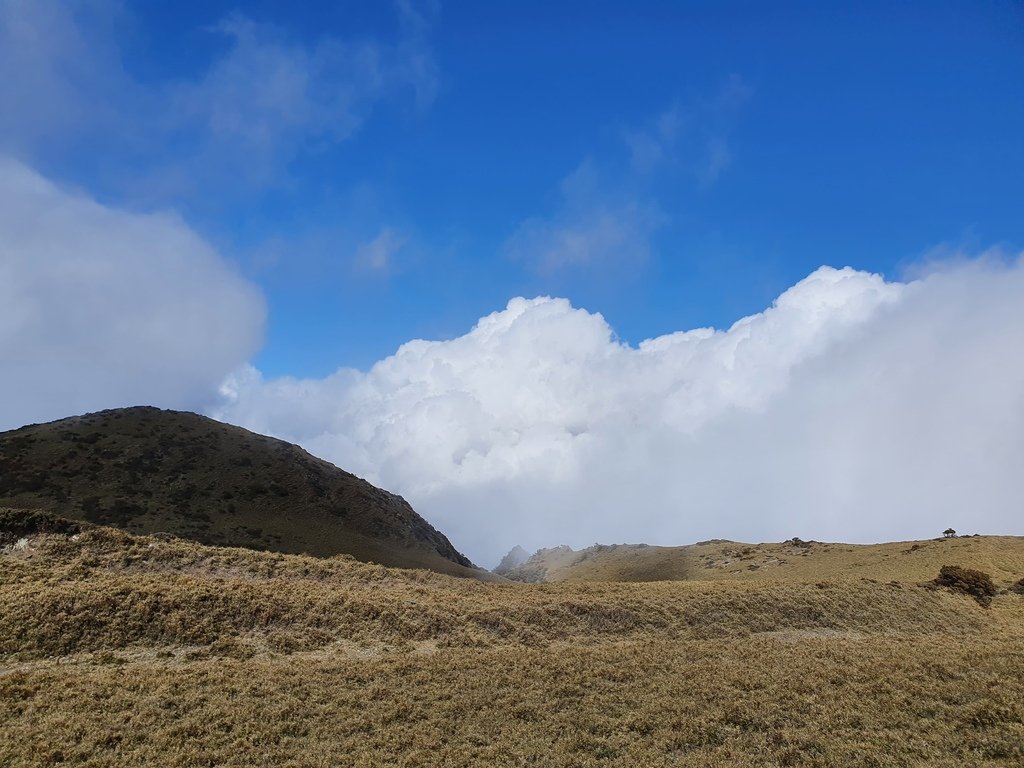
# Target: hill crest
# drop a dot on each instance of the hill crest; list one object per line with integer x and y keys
{"x": 792, "y": 560}
{"x": 148, "y": 470}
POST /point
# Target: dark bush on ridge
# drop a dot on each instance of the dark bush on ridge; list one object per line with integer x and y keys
{"x": 18, "y": 523}
{"x": 977, "y": 584}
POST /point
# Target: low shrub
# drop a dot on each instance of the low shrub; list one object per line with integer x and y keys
{"x": 977, "y": 584}
{"x": 19, "y": 523}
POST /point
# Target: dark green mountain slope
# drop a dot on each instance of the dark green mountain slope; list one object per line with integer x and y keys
{"x": 148, "y": 470}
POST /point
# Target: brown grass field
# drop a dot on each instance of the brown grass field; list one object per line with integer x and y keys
{"x": 123, "y": 650}
{"x": 787, "y": 561}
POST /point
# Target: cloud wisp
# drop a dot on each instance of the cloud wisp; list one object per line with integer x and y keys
{"x": 378, "y": 254}
{"x": 262, "y": 99}
{"x": 267, "y": 95}
{"x": 60, "y": 73}
{"x": 606, "y": 215}
{"x": 603, "y": 220}
{"x": 105, "y": 308}
{"x": 592, "y": 228}
{"x": 853, "y": 408}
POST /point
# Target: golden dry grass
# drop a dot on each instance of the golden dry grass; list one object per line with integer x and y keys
{"x": 1000, "y": 556}
{"x": 134, "y": 651}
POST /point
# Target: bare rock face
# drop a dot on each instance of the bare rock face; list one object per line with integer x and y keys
{"x": 147, "y": 470}
{"x": 515, "y": 557}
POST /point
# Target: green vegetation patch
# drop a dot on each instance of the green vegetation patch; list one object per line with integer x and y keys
{"x": 21, "y": 523}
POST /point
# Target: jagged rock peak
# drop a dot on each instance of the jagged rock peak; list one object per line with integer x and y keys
{"x": 515, "y": 557}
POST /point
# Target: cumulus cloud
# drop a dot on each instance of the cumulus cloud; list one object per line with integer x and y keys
{"x": 853, "y": 408}
{"x": 105, "y": 308}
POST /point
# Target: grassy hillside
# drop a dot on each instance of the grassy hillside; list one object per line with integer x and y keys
{"x": 794, "y": 560}
{"x": 125, "y": 650}
{"x": 148, "y": 470}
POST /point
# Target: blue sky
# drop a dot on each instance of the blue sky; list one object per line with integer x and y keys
{"x": 255, "y": 210}
{"x": 791, "y": 136}
{"x": 863, "y": 138}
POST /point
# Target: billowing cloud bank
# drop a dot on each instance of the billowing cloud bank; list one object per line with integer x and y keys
{"x": 853, "y": 408}
{"x": 103, "y": 308}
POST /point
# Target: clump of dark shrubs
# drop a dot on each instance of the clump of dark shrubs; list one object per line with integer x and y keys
{"x": 977, "y": 584}
{"x": 19, "y": 523}
{"x": 1018, "y": 587}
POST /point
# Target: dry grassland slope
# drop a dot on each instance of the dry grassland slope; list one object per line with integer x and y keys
{"x": 793, "y": 560}
{"x": 120, "y": 650}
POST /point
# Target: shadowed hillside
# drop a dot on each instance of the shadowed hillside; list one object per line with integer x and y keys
{"x": 148, "y": 470}
{"x": 793, "y": 560}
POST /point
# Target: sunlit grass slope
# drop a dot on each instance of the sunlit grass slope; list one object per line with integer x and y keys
{"x": 125, "y": 650}
{"x": 794, "y": 560}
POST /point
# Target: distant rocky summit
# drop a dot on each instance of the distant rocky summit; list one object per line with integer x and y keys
{"x": 515, "y": 557}
{"x": 147, "y": 470}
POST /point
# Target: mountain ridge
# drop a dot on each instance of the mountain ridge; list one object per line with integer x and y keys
{"x": 794, "y": 559}
{"x": 147, "y": 470}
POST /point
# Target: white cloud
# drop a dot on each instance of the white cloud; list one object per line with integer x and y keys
{"x": 853, "y": 408}
{"x": 105, "y": 308}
